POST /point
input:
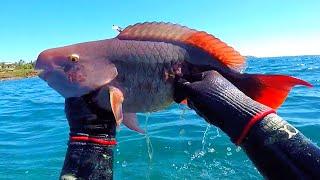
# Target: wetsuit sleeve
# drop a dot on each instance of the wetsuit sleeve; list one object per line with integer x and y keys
{"x": 92, "y": 139}
{"x": 280, "y": 151}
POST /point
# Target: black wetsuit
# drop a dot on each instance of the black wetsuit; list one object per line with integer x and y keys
{"x": 85, "y": 158}
{"x": 278, "y": 150}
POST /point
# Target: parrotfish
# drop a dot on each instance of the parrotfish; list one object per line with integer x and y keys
{"x": 135, "y": 71}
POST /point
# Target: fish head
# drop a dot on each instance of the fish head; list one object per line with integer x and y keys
{"x": 77, "y": 69}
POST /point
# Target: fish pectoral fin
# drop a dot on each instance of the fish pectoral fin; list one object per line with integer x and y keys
{"x": 130, "y": 120}
{"x": 116, "y": 100}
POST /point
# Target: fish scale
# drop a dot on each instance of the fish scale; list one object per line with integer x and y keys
{"x": 147, "y": 77}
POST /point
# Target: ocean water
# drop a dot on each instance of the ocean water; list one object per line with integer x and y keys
{"x": 178, "y": 145}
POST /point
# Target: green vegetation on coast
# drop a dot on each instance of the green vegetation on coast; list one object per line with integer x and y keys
{"x": 15, "y": 70}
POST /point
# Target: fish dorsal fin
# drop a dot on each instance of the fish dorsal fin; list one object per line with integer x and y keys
{"x": 168, "y": 32}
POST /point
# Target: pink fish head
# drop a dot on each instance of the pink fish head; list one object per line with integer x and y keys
{"x": 77, "y": 69}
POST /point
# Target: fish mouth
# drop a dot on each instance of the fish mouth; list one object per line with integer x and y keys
{"x": 43, "y": 74}
{"x": 39, "y": 71}
{"x": 46, "y": 73}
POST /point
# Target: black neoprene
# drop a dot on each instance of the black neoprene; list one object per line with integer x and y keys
{"x": 85, "y": 117}
{"x": 84, "y": 159}
{"x": 278, "y": 150}
{"x": 219, "y": 102}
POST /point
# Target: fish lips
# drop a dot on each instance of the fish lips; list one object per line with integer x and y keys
{"x": 44, "y": 74}
{"x": 42, "y": 71}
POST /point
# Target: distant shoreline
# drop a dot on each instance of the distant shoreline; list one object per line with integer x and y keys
{"x": 6, "y": 75}
{"x": 17, "y": 70}
{"x": 16, "y": 78}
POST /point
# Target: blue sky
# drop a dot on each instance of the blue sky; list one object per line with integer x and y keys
{"x": 253, "y": 27}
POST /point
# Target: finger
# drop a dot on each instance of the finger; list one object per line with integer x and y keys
{"x": 210, "y": 74}
{"x": 181, "y": 89}
{"x": 194, "y": 77}
{"x": 181, "y": 81}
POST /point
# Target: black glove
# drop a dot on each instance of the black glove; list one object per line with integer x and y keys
{"x": 85, "y": 118}
{"x": 220, "y": 103}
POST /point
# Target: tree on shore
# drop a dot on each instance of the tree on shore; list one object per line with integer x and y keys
{"x": 21, "y": 64}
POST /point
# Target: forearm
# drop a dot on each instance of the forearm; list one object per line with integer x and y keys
{"x": 280, "y": 151}
{"x": 92, "y": 138}
{"x": 276, "y": 148}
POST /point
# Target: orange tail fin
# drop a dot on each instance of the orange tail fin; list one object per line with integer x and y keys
{"x": 270, "y": 90}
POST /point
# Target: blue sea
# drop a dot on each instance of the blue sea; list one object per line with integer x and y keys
{"x": 178, "y": 145}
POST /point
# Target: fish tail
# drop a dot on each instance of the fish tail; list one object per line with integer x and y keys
{"x": 270, "y": 90}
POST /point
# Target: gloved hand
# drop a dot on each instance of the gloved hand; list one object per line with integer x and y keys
{"x": 87, "y": 121}
{"x": 220, "y": 103}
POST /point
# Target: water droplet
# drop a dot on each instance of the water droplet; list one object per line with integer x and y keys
{"x": 211, "y": 150}
{"x": 202, "y": 153}
{"x": 124, "y": 164}
{"x": 148, "y": 141}
{"x": 238, "y": 149}
{"x": 26, "y": 172}
{"x": 229, "y": 153}
{"x": 182, "y": 132}
{"x": 228, "y": 149}
{"x": 189, "y": 143}
{"x": 204, "y": 174}
{"x": 118, "y": 162}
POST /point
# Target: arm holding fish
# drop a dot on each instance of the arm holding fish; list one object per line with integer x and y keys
{"x": 92, "y": 138}
{"x": 276, "y": 147}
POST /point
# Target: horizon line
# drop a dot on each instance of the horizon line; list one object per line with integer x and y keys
{"x": 246, "y": 56}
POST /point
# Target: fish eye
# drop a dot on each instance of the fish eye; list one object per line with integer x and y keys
{"x": 74, "y": 57}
